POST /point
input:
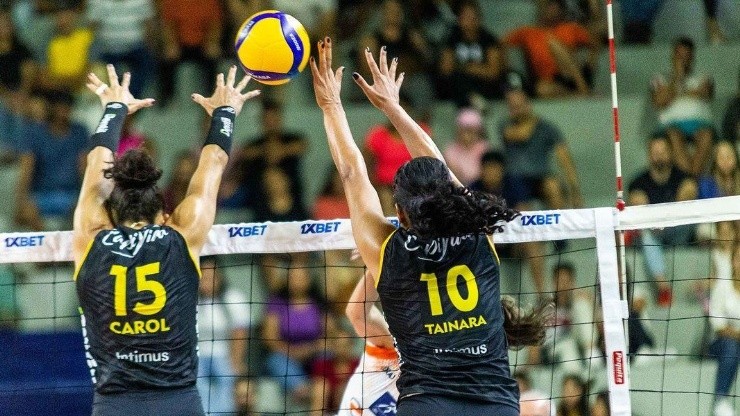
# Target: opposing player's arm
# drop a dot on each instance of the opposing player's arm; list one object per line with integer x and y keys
{"x": 194, "y": 216}
{"x": 365, "y": 317}
{"x": 369, "y": 227}
{"x": 90, "y": 215}
{"x": 384, "y": 94}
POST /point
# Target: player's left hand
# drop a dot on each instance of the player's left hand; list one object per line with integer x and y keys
{"x": 227, "y": 93}
{"x": 386, "y": 86}
{"x": 327, "y": 83}
{"x": 116, "y": 92}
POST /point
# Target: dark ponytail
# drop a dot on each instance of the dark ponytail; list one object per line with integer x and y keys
{"x": 436, "y": 207}
{"x": 135, "y": 196}
{"x": 523, "y": 329}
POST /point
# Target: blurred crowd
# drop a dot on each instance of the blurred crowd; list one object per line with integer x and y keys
{"x": 47, "y": 48}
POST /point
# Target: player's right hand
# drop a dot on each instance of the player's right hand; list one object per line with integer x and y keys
{"x": 386, "y": 86}
{"x": 226, "y": 94}
{"x": 116, "y": 92}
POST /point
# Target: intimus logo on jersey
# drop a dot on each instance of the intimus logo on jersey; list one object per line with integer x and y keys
{"x": 477, "y": 350}
{"x": 320, "y": 228}
{"x": 540, "y": 219}
{"x": 129, "y": 247}
{"x": 25, "y": 241}
{"x": 146, "y": 357}
{"x": 435, "y": 250}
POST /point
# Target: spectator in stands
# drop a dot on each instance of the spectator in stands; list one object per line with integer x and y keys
{"x": 638, "y": 17}
{"x": 331, "y": 372}
{"x": 50, "y": 166}
{"x": 724, "y": 174}
{"x": 275, "y": 147}
{"x": 574, "y": 397}
{"x": 330, "y": 205}
{"x": 123, "y": 35}
{"x": 495, "y": 179}
{"x": 384, "y": 153}
{"x": 711, "y": 8}
{"x": 641, "y": 341}
{"x": 224, "y": 320}
{"x": 294, "y": 331}
{"x": 68, "y": 54}
{"x": 191, "y": 31}
{"x": 531, "y": 402}
{"x": 723, "y": 180}
{"x": 529, "y": 142}
{"x": 132, "y": 138}
{"x": 661, "y": 182}
{"x": 551, "y": 48}
{"x": 317, "y": 16}
{"x": 245, "y": 395}
{"x": 600, "y": 407}
{"x": 589, "y": 13}
{"x": 331, "y": 202}
{"x": 406, "y": 43}
{"x": 17, "y": 73}
{"x": 731, "y": 120}
{"x": 463, "y": 156}
{"x": 572, "y": 341}
{"x": 185, "y": 164}
{"x": 725, "y": 321}
{"x": 472, "y": 67}
{"x": 279, "y": 202}
{"x": 683, "y": 99}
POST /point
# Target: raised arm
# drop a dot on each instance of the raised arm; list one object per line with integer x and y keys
{"x": 90, "y": 215}
{"x": 365, "y": 317}
{"x": 194, "y": 216}
{"x": 369, "y": 227}
{"x": 384, "y": 94}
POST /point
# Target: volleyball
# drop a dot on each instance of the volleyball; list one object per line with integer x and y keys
{"x": 272, "y": 47}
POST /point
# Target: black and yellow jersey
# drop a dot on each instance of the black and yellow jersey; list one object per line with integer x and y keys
{"x": 442, "y": 301}
{"x": 138, "y": 291}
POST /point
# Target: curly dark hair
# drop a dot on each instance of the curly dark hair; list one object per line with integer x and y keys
{"x": 135, "y": 196}
{"x": 436, "y": 207}
{"x": 526, "y": 328}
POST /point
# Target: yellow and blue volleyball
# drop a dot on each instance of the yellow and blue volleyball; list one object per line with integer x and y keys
{"x": 272, "y": 47}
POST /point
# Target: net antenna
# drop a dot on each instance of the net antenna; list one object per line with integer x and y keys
{"x": 620, "y": 204}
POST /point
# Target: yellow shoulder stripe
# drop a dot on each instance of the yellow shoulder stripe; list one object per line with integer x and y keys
{"x": 493, "y": 248}
{"x": 382, "y": 255}
{"x": 82, "y": 260}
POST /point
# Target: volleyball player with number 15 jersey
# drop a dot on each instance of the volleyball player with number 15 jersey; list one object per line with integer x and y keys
{"x": 136, "y": 269}
{"x": 437, "y": 276}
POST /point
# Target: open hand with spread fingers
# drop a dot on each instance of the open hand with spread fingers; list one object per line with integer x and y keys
{"x": 327, "y": 83}
{"x": 116, "y": 92}
{"x": 386, "y": 86}
{"x": 226, "y": 93}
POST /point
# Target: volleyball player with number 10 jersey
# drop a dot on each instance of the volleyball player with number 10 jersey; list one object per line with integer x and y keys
{"x": 438, "y": 274}
{"x": 136, "y": 269}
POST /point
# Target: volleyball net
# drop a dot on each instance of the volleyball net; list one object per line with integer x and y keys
{"x": 274, "y": 339}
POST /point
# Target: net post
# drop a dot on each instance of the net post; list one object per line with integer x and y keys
{"x": 613, "y": 313}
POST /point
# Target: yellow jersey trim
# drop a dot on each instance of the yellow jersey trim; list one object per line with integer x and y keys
{"x": 493, "y": 248}
{"x": 82, "y": 261}
{"x": 382, "y": 255}
{"x": 196, "y": 263}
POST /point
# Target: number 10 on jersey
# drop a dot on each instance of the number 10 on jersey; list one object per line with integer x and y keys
{"x": 463, "y": 304}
